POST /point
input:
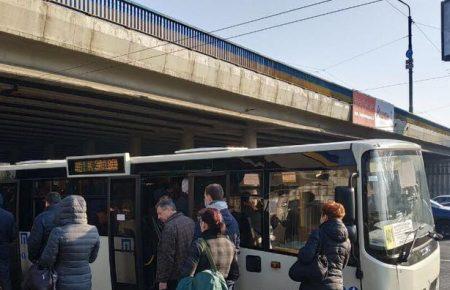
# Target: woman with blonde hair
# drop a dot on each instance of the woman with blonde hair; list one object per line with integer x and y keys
{"x": 330, "y": 241}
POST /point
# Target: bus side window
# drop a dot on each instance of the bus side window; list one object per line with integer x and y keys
{"x": 246, "y": 204}
{"x": 295, "y": 203}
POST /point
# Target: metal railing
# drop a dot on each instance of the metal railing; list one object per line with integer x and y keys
{"x": 137, "y": 17}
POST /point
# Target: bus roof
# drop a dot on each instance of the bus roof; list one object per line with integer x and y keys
{"x": 372, "y": 143}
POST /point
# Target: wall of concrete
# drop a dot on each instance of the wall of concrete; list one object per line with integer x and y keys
{"x": 52, "y": 24}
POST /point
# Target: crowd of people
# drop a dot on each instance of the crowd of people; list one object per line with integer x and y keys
{"x": 62, "y": 240}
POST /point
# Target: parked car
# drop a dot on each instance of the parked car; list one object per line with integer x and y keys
{"x": 441, "y": 214}
{"x": 442, "y": 200}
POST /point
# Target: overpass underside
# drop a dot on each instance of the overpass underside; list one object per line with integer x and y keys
{"x": 73, "y": 84}
{"x": 40, "y": 120}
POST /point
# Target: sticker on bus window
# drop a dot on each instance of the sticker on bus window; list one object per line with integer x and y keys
{"x": 398, "y": 234}
{"x": 288, "y": 177}
{"x": 251, "y": 179}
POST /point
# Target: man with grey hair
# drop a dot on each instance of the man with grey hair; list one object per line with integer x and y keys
{"x": 176, "y": 238}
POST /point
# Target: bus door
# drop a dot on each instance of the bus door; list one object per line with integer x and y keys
{"x": 153, "y": 188}
{"x": 123, "y": 214}
{"x": 198, "y": 185}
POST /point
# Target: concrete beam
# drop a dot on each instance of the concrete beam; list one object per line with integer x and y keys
{"x": 65, "y": 28}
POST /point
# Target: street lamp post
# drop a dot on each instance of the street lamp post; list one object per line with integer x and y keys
{"x": 409, "y": 55}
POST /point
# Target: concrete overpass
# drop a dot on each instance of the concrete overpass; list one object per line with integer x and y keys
{"x": 100, "y": 76}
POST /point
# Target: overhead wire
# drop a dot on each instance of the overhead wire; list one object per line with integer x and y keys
{"x": 417, "y": 26}
{"x": 364, "y": 53}
{"x": 405, "y": 83}
{"x": 245, "y": 34}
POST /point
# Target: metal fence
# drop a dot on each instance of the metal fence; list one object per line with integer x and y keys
{"x": 142, "y": 19}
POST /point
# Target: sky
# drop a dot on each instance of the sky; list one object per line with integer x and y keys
{"x": 362, "y": 48}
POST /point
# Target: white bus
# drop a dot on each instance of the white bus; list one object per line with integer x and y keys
{"x": 275, "y": 194}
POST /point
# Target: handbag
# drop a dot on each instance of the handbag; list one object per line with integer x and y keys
{"x": 315, "y": 271}
{"x": 41, "y": 279}
{"x": 205, "y": 280}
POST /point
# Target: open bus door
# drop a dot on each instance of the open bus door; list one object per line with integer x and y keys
{"x": 124, "y": 232}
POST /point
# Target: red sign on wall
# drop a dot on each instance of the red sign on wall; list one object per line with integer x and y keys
{"x": 363, "y": 109}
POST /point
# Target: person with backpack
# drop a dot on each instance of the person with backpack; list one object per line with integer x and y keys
{"x": 327, "y": 249}
{"x": 213, "y": 251}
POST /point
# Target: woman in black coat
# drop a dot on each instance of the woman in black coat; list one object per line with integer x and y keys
{"x": 332, "y": 237}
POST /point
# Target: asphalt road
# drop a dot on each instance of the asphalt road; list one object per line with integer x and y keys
{"x": 445, "y": 265}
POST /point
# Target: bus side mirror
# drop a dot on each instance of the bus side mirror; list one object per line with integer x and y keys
{"x": 346, "y": 196}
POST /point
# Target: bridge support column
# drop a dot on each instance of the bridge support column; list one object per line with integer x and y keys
{"x": 187, "y": 140}
{"x": 250, "y": 138}
{"x": 135, "y": 146}
{"x": 89, "y": 147}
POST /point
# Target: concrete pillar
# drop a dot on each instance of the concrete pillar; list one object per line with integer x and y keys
{"x": 49, "y": 151}
{"x": 136, "y": 146}
{"x": 187, "y": 140}
{"x": 250, "y": 138}
{"x": 89, "y": 147}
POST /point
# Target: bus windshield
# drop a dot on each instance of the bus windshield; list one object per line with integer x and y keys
{"x": 396, "y": 200}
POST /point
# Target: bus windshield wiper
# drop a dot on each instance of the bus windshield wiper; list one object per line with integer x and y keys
{"x": 404, "y": 255}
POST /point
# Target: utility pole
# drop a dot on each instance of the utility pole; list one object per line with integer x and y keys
{"x": 409, "y": 55}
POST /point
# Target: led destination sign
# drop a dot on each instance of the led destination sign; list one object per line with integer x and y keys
{"x": 100, "y": 165}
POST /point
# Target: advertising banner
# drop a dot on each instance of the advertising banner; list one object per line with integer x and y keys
{"x": 384, "y": 116}
{"x": 373, "y": 113}
{"x": 363, "y": 109}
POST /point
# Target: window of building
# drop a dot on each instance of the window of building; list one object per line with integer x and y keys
{"x": 295, "y": 203}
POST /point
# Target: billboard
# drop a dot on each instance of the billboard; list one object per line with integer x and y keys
{"x": 372, "y": 112}
{"x": 445, "y": 29}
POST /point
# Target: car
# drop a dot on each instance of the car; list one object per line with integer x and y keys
{"x": 442, "y": 200}
{"x": 441, "y": 214}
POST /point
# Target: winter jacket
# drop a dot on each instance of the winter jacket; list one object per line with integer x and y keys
{"x": 71, "y": 246}
{"x": 176, "y": 237}
{"x": 7, "y": 233}
{"x": 335, "y": 245}
{"x": 229, "y": 221}
{"x": 223, "y": 253}
{"x": 42, "y": 226}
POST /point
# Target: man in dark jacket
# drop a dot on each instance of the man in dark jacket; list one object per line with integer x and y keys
{"x": 213, "y": 198}
{"x": 42, "y": 226}
{"x": 332, "y": 240}
{"x": 72, "y": 246}
{"x": 176, "y": 238}
{"x": 7, "y": 233}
